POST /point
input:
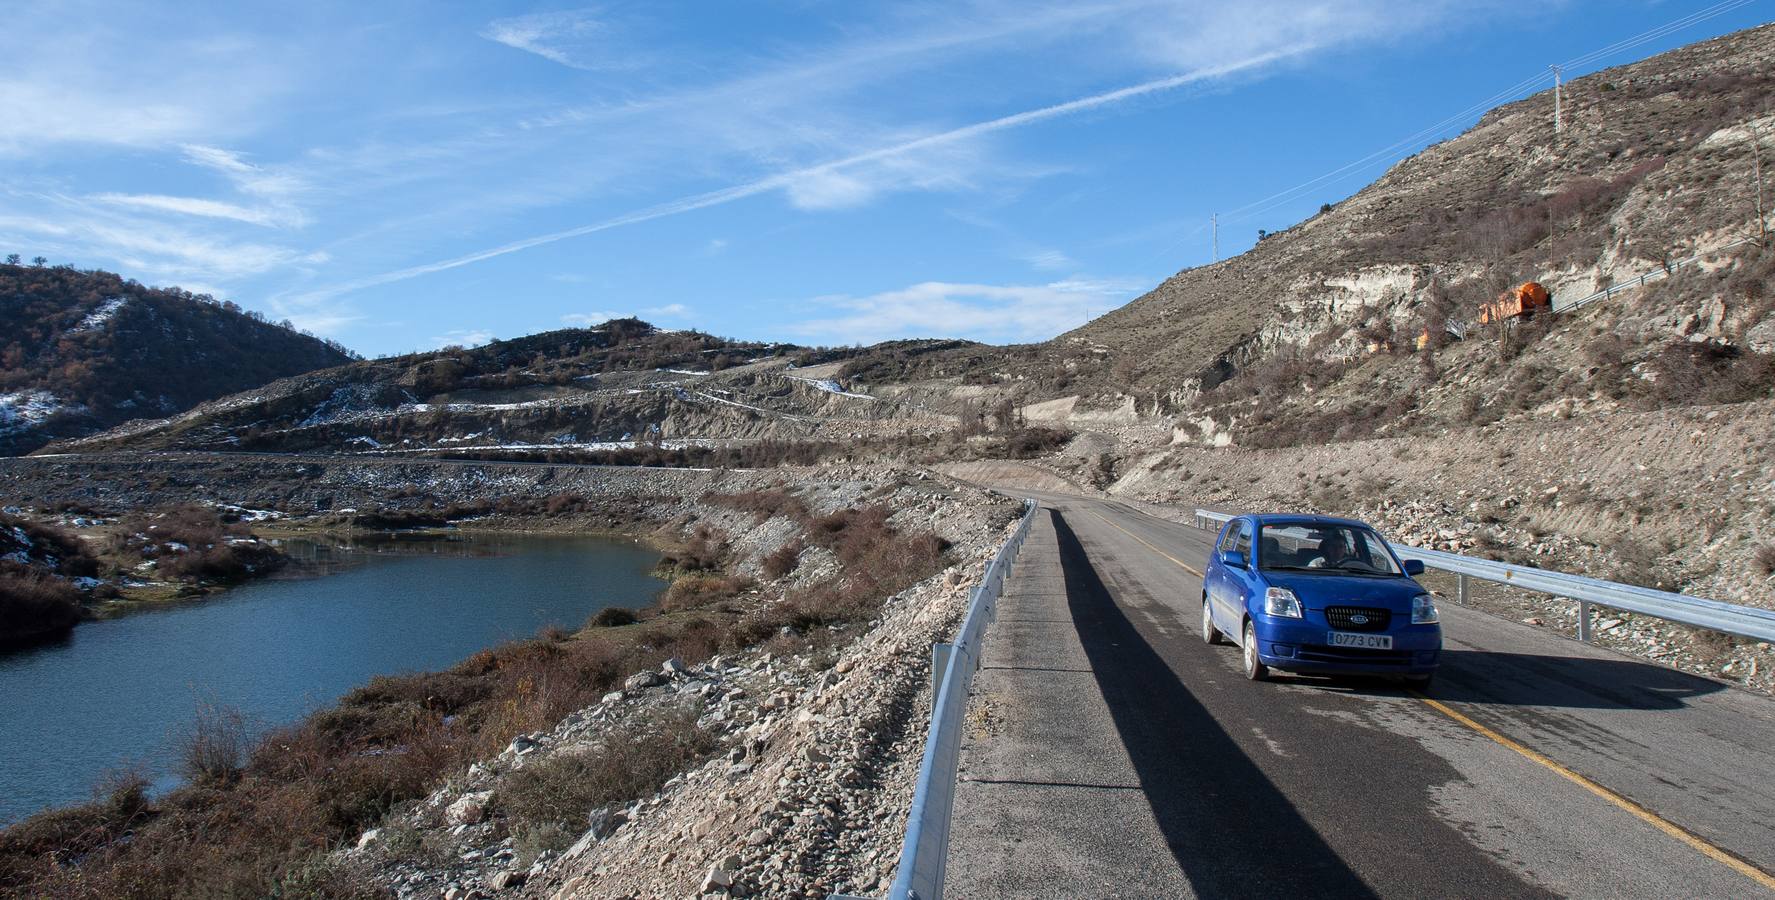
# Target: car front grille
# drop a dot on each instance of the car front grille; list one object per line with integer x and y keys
{"x": 1343, "y": 618}
{"x": 1354, "y": 655}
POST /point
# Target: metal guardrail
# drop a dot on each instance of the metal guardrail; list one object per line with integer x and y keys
{"x": 1699, "y": 612}
{"x": 1461, "y": 328}
{"x": 1653, "y": 275}
{"x": 926, "y": 850}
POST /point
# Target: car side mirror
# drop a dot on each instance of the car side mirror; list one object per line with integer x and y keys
{"x": 1414, "y": 567}
{"x": 1232, "y": 558}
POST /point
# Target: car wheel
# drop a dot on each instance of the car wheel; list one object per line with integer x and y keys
{"x": 1210, "y": 634}
{"x": 1419, "y": 683}
{"x": 1255, "y": 670}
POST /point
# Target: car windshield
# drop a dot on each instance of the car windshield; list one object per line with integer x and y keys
{"x": 1324, "y": 548}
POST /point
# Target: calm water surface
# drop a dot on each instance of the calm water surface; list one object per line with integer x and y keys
{"x": 119, "y": 692}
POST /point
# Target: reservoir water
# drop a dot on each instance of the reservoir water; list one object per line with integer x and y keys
{"x": 120, "y": 692}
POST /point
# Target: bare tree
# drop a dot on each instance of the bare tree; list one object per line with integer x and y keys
{"x": 12, "y": 259}
{"x": 39, "y": 261}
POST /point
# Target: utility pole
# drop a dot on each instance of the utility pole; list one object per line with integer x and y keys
{"x": 1558, "y": 117}
{"x": 1214, "y": 222}
{"x": 1756, "y": 157}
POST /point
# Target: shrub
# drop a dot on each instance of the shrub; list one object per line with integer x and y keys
{"x": 33, "y": 604}
{"x": 704, "y": 552}
{"x": 1028, "y": 443}
{"x": 612, "y": 617}
{"x": 1635, "y": 562}
{"x": 212, "y": 550}
{"x": 551, "y": 798}
{"x": 1765, "y": 559}
{"x": 698, "y": 591}
{"x": 782, "y": 560}
{"x": 215, "y": 745}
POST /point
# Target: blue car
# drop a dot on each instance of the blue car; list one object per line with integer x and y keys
{"x": 1315, "y": 594}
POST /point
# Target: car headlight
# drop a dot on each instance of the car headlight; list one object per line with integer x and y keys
{"x": 1281, "y": 602}
{"x": 1423, "y": 610}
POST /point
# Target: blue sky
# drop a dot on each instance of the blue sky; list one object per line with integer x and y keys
{"x": 399, "y": 176}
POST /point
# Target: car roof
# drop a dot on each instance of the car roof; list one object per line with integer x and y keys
{"x": 1305, "y": 519}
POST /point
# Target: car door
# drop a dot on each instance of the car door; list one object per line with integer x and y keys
{"x": 1227, "y": 597}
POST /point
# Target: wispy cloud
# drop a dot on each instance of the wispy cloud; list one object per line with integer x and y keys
{"x": 599, "y": 317}
{"x": 986, "y": 312}
{"x": 587, "y": 319}
{"x": 191, "y": 206}
{"x": 1050, "y": 259}
{"x": 163, "y": 250}
{"x": 826, "y": 172}
{"x": 462, "y": 337}
{"x": 562, "y": 37}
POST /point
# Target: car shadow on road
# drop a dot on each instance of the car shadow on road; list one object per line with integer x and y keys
{"x": 1486, "y": 677}
{"x": 1190, "y": 770}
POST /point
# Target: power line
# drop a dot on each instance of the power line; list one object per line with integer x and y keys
{"x": 1512, "y": 92}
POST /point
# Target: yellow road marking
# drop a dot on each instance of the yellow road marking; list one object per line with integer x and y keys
{"x": 1651, "y": 818}
{"x": 1682, "y": 834}
{"x": 1186, "y": 566}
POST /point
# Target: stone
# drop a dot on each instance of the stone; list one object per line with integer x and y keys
{"x": 603, "y": 822}
{"x": 641, "y": 681}
{"x": 673, "y": 667}
{"x": 506, "y": 879}
{"x": 469, "y": 809}
{"x": 523, "y": 744}
{"x": 718, "y": 879}
{"x": 612, "y": 697}
{"x": 369, "y": 837}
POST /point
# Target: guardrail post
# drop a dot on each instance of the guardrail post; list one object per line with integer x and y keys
{"x": 940, "y": 654}
{"x": 1584, "y": 621}
{"x": 1461, "y": 589}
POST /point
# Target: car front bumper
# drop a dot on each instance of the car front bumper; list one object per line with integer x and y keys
{"x": 1296, "y": 646}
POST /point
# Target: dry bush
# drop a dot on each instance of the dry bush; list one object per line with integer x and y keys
{"x": 1765, "y": 559}
{"x": 698, "y": 591}
{"x": 1636, "y": 562}
{"x": 215, "y": 744}
{"x": 783, "y": 560}
{"x": 612, "y": 617}
{"x": 214, "y": 550}
{"x": 705, "y": 551}
{"x": 33, "y": 604}
{"x": 47, "y": 545}
{"x": 551, "y": 798}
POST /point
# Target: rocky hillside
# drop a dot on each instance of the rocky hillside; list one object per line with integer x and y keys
{"x": 1314, "y": 334}
{"x": 619, "y": 384}
{"x": 82, "y": 351}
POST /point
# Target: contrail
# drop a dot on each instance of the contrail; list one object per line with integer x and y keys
{"x": 785, "y": 179}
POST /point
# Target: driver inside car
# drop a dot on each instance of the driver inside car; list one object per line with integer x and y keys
{"x": 1334, "y": 550}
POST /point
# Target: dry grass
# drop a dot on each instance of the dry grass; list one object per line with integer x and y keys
{"x": 547, "y": 802}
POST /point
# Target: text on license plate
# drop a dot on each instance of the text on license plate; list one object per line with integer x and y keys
{"x": 1365, "y": 641}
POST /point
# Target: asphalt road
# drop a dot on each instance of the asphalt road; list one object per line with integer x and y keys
{"x": 1110, "y": 752}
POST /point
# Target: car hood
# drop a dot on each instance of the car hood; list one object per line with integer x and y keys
{"x": 1320, "y": 591}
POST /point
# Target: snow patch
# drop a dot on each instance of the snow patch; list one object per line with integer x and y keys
{"x": 23, "y": 410}
{"x": 98, "y": 317}
{"x": 829, "y": 386}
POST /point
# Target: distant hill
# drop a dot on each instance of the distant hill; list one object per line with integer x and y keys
{"x": 622, "y": 382}
{"x": 81, "y": 351}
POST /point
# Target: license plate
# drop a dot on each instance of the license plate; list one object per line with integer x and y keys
{"x": 1365, "y": 641}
